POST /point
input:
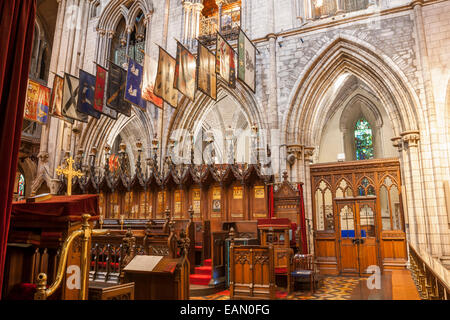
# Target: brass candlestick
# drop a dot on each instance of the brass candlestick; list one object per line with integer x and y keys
{"x": 122, "y": 221}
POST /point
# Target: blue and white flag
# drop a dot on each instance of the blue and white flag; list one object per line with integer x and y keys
{"x": 86, "y": 95}
{"x": 133, "y": 89}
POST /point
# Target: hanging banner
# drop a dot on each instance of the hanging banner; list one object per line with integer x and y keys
{"x": 148, "y": 84}
{"x": 207, "y": 78}
{"x": 43, "y": 104}
{"x": 57, "y": 96}
{"x": 247, "y": 61}
{"x": 165, "y": 79}
{"x": 133, "y": 90}
{"x": 70, "y": 99}
{"x": 100, "y": 85}
{"x": 116, "y": 90}
{"x": 86, "y": 95}
{"x": 185, "y": 72}
{"x": 225, "y": 61}
{"x": 31, "y": 101}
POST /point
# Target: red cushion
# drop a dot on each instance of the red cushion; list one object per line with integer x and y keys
{"x": 280, "y": 270}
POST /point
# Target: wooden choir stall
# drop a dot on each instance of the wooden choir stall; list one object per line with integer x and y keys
{"x": 202, "y": 201}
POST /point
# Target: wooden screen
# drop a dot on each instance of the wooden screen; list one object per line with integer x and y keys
{"x": 161, "y": 204}
{"x": 357, "y": 216}
{"x": 215, "y": 202}
{"x": 195, "y": 200}
{"x": 236, "y": 200}
{"x": 178, "y": 204}
{"x": 258, "y": 202}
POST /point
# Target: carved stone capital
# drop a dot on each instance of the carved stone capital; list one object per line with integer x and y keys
{"x": 111, "y": 34}
{"x": 187, "y": 5}
{"x": 294, "y": 152}
{"x": 198, "y": 7}
{"x": 54, "y": 186}
{"x": 410, "y": 138}
{"x": 397, "y": 143}
{"x": 308, "y": 153}
{"x": 101, "y": 32}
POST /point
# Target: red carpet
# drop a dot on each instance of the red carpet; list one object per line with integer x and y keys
{"x": 202, "y": 275}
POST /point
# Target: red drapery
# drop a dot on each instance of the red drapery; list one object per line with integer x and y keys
{"x": 302, "y": 220}
{"x": 16, "y": 40}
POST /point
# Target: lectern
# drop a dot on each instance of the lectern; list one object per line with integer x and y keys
{"x": 158, "y": 277}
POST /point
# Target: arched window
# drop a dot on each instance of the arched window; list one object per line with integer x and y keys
{"x": 21, "y": 186}
{"x": 363, "y": 140}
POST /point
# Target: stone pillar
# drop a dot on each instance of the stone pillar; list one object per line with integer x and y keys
{"x": 294, "y": 159}
{"x": 439, "y": 163}
{"x": 409, "y": 216}
{"x": 308, "y": 9}
{"x": 148, "y": 37}
{"x": 189, "y": 8}
{"x": 308, "y": 153}
{"x": 100, "y": 56}
{"x": 416, "y": 188}
{"x": 339, "y": 7}
{"x": 187, "y": 5}
{"x": 219, "y": 3}
{"x": 129, "y": 32}
{"x": 197, "y": 9}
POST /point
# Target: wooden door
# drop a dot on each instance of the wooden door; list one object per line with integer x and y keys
{"x": 346, "y": 214}
{"x": 367, "y": 234}
{"x": 358, "y": 235}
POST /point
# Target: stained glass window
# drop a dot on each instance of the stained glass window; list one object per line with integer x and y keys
{"x": 21, "y": 186}
{"x": 363, "y": 140}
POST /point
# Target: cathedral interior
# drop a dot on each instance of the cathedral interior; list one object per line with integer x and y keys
{"x": 319, "y": 164}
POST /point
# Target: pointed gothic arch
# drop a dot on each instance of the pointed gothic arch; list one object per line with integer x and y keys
{"x": 189, "y": 115}
{"x": 346, "y": 54}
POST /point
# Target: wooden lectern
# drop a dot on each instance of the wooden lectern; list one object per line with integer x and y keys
{"x": 158, "y": 277}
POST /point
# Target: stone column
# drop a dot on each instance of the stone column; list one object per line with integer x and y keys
{"x": 416, "y": 188}
{"x": 308, "y": 153}
{"x": 101, "y": 47}
{"x": 294, "y": 159}
{"x": 409, "y": 215}
{"x": 187, "y": 5}
{"x": 219, "y": 3}
{"x": 129, "y": 32}
{"x": 148, "y": 37}
{"x": 434, "y": 190}
{"x": 308, "y": 9}
{"x": 339, "y": 7}
{"x": 198, "y": 7}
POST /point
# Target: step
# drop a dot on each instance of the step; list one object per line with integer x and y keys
{"x": 207, "y": 262}
{"x": 206, "y": 270}
{"x": 200, "y": 279}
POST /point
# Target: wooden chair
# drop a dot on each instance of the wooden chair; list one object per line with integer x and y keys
{"x": 304, "y": 268}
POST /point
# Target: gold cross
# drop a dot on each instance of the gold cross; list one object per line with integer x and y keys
{"x": 70, "y": 173}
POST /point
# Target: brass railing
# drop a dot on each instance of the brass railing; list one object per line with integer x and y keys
{"x": 432, "y": 279}
{"x": 42, "y": 292}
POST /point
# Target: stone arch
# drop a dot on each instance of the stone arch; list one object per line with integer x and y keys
{"x": 28, "y": 168}
{"x": 346, "y": 54}
{"x": 355, "y": 107}
{"x": 99, "y": 133}
{"x": 116, "y": 9}
{"x": 188, "y": 115}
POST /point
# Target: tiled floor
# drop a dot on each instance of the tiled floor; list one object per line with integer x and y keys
{"x": 333, "y": 288}
{"x": 395, "y": 285}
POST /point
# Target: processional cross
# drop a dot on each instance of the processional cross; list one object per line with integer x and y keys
{"x": 70, "y": 173}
